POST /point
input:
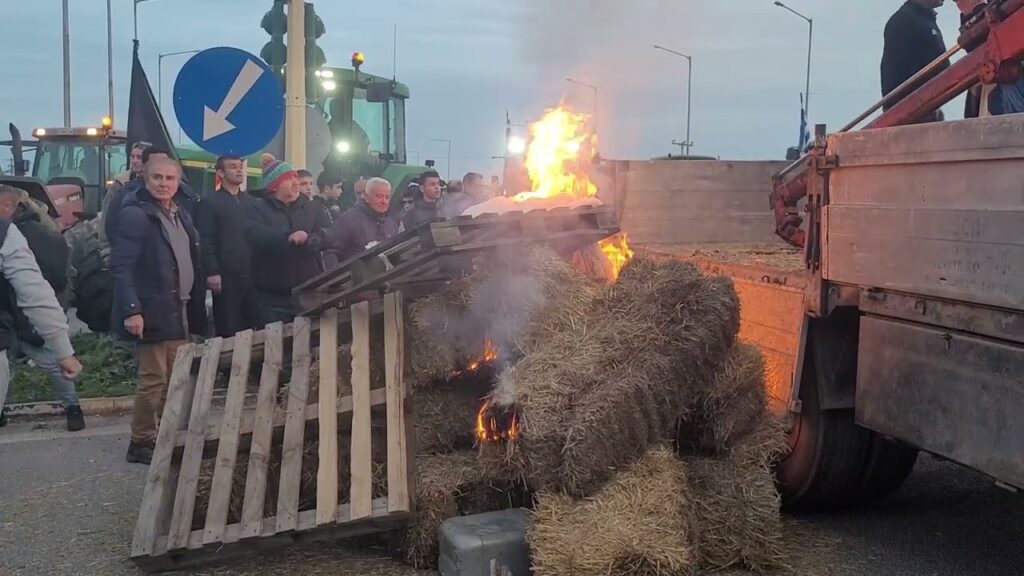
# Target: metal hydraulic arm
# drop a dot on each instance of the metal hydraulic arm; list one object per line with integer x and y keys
{"x": 995, "y": 41}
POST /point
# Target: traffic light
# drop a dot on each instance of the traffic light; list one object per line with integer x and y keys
{"x": 275, "y": 53}
{"x": 315, "y": 57}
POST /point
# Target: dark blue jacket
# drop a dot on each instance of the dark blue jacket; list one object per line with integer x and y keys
{"x": 185, "y": 198}
{"x": 145, "y": 272}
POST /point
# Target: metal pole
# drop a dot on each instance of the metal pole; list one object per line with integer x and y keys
{"x": 67, "y": 67}
{"x": 449, "y": 175}
{"x": 110, "y": 64}
{"x": 160, "y": 82}
{"x": 295, "y": 101}
{"x": 135, "y": 18}
{"x": 807, "y": 90}
{"x": 689, "y": 102}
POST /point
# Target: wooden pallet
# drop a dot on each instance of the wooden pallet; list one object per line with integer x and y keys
{"x": 192, "y": 429}
{"x": 419, "y": 256}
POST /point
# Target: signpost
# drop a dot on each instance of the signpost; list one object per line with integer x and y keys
{"x": 228, "y": 101}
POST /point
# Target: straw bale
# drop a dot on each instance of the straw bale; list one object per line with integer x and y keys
{"x": 444, "y": 415}
{"x": 737, "y": 504}
{"x": 447, "y": 486}
{"x": 637, "y": 524}
{"x": 730, "y": 407}
{"x": 596, "y": 394}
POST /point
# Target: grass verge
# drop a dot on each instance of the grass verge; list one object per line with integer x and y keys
{"x": 108, "y": 370}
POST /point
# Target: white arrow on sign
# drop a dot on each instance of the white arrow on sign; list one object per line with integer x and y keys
{"x": 215, "y": 122}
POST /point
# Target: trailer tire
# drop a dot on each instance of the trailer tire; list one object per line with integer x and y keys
{"x": 93, "y": 286}
{"x": 888, "y": 466}
{"x": 828, "y": 452}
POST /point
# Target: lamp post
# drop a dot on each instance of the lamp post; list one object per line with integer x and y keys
{"x": 160, "y": 73}
{"x": 810, "y": 44}
{"x": 592, "y": 87}
{"x": 67, "y": 66}
{"x": 135, "y": 16}
{"x": 687, "y": 144}
{"x": 449, "y": 174}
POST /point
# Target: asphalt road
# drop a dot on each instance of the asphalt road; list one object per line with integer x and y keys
{"x": 68, "y": 504}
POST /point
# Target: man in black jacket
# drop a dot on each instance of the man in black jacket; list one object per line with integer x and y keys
{"x": 51, "y": 255}
{"x": 155, "y": 265}
{"x": 286, "y": 232}
{"x": 184, "y": 196}
{"x": 424, "y": 205}
{"x": 221, "y": 218}
{"x": 912, "y": 41}
{"x": 366, "y": 223}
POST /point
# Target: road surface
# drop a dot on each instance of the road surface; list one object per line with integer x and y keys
{"x": 68, "y": 504}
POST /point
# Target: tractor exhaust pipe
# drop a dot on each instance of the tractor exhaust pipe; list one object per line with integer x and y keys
{"x": 17, "y": 153}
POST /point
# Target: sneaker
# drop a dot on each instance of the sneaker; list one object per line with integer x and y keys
{"x": 3, "y": 417}
{"x": 139, "y": 454}
{"x": 76, "y": 420}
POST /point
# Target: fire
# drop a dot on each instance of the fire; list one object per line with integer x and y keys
{"x": 494, "y": 428}
{"x": 555, "y": 157}
{"x": 616, "y": 249}
{"x": 490, "y": 354}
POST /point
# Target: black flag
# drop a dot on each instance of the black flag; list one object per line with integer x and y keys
{"x": 145, "y": 122}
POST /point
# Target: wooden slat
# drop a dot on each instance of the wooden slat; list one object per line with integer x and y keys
{"x": 327, "y": 473}
{"x": 188, "y": 477}
{"x": 227, "y": 450}
{"x": 259, "y": 454}
{"x": 179, "y": 390}
{"x": 398, "y": 477}
{"x": 294, "y": 429}
{"x": 362, "y": 465}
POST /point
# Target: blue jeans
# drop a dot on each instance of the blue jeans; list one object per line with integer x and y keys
{"x": 49, "y": 363}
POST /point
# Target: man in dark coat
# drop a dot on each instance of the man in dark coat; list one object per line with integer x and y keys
{"x": 368, "y": 222}
{"x": 424, "y": 205}
{"x": 912, "y": 41}
{"x": 155, "y": 265}
{"x": 221, "y": 219}
{"x": 184, "y": 196}
{"x": 286, "y": 232}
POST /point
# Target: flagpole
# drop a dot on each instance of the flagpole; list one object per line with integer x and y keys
{"x": 67, "y": 67}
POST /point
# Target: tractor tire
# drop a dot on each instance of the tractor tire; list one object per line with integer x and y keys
{"x": 828, "y": 452}
{"x": 888, "y": 466}
{"x": 93, "y": 286}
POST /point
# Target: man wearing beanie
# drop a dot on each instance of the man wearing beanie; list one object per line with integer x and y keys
{"x": 285, "y": 231}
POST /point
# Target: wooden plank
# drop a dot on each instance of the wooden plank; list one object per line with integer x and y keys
{"x": 227, "y": 449}
{"x": 394, "y": 339}
{"x": 294, "y": 429}
{"x": 259, "y": 453}
{"x": 179, "y": 390}
{"x": 362, "y": 465}
{"x": 188, "y": 477}
{"x": 327, "y": 473}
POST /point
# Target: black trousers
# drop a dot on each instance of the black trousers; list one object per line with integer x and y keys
{"x": 236, "y": 308}
{"x": 276, "y": 307}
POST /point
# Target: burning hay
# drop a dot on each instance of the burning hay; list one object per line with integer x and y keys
{"x": 445, "y": 414}
{"x": 447, "y": 486}
{"x": 595, "y": 393}
{"x": 737, "y": 505}
{"x": 639, "y": 523}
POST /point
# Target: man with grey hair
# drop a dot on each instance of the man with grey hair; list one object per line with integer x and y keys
{"x": 366, "y": 223}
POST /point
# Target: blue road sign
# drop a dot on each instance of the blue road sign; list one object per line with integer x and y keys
{"x": 228, "y": 101}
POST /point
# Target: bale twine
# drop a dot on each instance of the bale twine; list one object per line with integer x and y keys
{"x": 447, "y": 486}
{"x": 637, "y": 524}
{"x": 596, "y": 393}
{"x": 737, "y": 504}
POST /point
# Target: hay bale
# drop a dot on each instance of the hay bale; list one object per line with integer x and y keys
{"x": 638, "y": 524}
{"x": 737, "y": 504}
{"x": 444, "y": 415}
{"x": 730, "y": 407}
{"x": 596, "y": 393}
{"x": 447, "y": 486}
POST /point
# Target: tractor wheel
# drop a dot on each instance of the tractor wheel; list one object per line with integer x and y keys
{"x": 93, "y": 285}
{"x": 828, "y": 452}
{"x": 888, "y": 466}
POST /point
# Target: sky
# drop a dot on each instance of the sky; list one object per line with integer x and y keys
{"x": 467, "y": 62}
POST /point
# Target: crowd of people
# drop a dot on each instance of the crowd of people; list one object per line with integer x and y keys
{"x": 169, "y": 247}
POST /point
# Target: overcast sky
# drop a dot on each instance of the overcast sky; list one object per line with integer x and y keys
{"x": 468, "y": 61}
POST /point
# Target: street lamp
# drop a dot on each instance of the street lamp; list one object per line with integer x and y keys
{"x": 687, "y": 144}
{"x": 810, "y": 39}
{"x": 449, "y": 174}
{"x": 160, "y": 73}
{"x": 135, "y": 16}
{"x": 592, "y": 87}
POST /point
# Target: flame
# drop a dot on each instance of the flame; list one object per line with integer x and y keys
{"x": 490, "y": 354}
{"x": 557, "y": 158}
{"x": 490, "y": 429}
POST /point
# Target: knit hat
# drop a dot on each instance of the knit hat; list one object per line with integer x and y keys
{"x": 275, "y": 172}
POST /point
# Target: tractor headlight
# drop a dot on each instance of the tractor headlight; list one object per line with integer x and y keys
{"x": 343, "y": 146}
